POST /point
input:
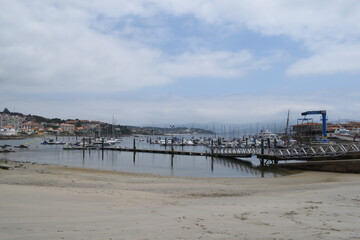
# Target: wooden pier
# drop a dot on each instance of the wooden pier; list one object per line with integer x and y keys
{"x": 159, "y": 151}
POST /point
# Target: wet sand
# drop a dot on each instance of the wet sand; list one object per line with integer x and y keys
{"x": 50, "y": 202}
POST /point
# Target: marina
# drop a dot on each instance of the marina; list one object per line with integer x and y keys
{"x": 190, "y": 165}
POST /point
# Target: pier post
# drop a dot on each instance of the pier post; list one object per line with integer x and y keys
{"x": 261, "y": 161}
{"x": 102, "y": 144}
{"x": 212, "y": 148}
{"x": 134, "y": 145}
{"x": 83, "y": 148}
{"x": 268, "y": 142}
{"x": 172, "y": 161}
{"x": 246, "y": 144}
{"x": 172, "y": 147}
{"x": 275, "y": 143}
{"x": 262, "y": 146}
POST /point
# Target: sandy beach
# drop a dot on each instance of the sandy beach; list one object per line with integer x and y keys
{"x": 51, "y": 202}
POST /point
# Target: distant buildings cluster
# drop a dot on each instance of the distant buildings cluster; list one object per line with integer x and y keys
{"x": 11, "y": 124}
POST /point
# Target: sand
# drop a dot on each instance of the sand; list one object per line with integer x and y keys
{"x": 51, "y": 202}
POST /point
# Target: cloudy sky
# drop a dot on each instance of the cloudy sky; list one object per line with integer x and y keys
{"x": 180, "y": 61}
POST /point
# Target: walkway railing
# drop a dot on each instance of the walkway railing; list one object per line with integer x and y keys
{"x": 296, "y": 152}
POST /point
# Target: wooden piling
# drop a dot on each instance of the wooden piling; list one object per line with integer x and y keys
{"x": 212, "y": 148}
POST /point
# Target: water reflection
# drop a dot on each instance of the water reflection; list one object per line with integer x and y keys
{"x": 248, "y": 167}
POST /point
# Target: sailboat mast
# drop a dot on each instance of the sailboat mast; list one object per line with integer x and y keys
{"x": 287, "y": 126}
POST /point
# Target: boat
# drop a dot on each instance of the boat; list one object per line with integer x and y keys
{"x": 52, "y": 142}
{"x": 344, "y": 134}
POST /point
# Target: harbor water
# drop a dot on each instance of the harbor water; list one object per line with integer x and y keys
{"x": 147, "y": 163}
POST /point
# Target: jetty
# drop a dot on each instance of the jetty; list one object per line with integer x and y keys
{"x": 159, "y": 151}
{"x": 270, "y": 155}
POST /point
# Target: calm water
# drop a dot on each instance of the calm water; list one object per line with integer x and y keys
{"x": 160, "y": 164}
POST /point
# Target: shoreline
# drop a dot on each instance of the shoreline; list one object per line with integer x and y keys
{"x": 41, "y": 201}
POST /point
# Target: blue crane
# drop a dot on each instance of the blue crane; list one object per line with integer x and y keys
{"x": 323, "y": 113}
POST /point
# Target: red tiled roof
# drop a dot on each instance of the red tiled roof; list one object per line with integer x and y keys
{"x": 307, "y": 124}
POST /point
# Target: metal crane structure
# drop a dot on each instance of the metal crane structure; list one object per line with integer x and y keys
{"x": 323, "y": 113}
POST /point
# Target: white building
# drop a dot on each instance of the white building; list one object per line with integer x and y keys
{"x": 7, "y": 131}
{"x": 7, "y": 120}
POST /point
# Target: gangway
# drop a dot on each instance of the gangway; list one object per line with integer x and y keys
{"x": 322, "y": 151}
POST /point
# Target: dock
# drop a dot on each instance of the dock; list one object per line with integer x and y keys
{"x": 160, "y": 151}
{"x": 265, "y": 155}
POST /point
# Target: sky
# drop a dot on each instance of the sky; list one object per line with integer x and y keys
{"x": 180, "y": 61}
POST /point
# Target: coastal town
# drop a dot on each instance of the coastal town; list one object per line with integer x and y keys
{"x": 13, "y": 125}
{"x": 18, "y": 125}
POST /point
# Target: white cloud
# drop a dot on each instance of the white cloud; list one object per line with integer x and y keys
{"x": 54, "y": 44}
{"x": 74, "y": 46}
{"x": 220, "y": 64}
{"x": 322, "y": 26}
{"x": 339, "y": 58}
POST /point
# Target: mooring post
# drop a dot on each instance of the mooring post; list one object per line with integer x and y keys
{"x": 84, "y": 146}
{"x": 246, "y": 144}
{"x": 275, "y": 143}
{"x": 268, "y": 142}
{"x": 212, "y": 148}
{"x": 262, "y": 146}
{"x": 102, "y": 144}
{"x": 134, "y": 145}
{"x": 172, "y": 146}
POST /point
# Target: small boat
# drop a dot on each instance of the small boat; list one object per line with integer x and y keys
{"x": 51, "y": 142}
{"x": 344, "y": 134}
